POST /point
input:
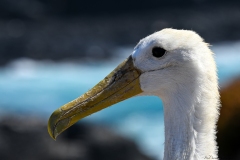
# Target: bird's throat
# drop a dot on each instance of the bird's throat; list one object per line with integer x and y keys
{"x": 188, "y": 135}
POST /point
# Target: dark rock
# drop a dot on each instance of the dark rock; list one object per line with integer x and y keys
{"x": 229, "y": 122}
{"x": 59, "y": 30}
{"x": 27, "y": 138}
{"x": 33, "y": 9}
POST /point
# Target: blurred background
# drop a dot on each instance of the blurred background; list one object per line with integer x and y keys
{"x": 53, "y": 51}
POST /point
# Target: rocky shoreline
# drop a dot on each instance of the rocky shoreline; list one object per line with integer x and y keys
{"x": 96, "y": 36}
{"x": 27, "y": 138}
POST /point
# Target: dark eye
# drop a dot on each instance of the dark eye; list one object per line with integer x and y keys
{"x": 158, "y": 52}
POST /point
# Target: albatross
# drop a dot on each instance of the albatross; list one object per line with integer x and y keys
{"x": 178, "y": 67}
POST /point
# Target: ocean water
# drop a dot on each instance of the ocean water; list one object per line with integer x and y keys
{"x": 37, "y": 88}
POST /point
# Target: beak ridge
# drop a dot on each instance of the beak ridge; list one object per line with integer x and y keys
{"x": 122, "y": 83}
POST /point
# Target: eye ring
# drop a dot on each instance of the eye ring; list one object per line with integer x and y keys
{"x": 158, "y": 52}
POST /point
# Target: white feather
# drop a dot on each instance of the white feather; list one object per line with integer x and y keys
{"x": 185, "y": 79}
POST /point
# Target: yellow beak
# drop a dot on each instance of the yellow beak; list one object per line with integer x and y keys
{"x": 122, "y": 83}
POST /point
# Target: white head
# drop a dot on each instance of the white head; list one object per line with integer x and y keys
{"x": 186, "y": 57}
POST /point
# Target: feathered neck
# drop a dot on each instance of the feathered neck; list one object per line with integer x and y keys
{"x": 190, "y": 116}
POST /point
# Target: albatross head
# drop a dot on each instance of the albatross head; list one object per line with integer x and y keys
{"x": 161, "y": 64}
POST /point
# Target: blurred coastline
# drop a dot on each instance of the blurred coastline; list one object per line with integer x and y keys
{"x": 59, "y": 31}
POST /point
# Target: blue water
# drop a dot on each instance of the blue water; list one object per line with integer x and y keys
{"x": 36, "y": 88}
